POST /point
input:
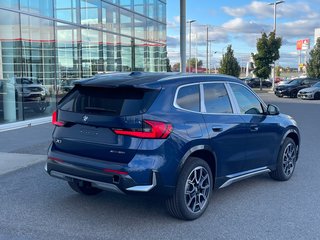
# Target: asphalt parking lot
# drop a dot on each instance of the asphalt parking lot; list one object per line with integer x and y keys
{"x": 36, "y": 206}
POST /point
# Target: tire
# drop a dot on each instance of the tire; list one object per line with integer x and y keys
{"x": 84, "y": 188}
{"x": 40, "y": 107}
{"x": 293, "y": 94}
{"x": 286, "y": 161}
{"x": 317, "y": 96}
{"x": 192, "y": 193}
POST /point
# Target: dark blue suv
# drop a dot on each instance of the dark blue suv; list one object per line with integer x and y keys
{"x": 180, "y": 136}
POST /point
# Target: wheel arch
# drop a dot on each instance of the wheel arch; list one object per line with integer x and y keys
{"x": 294, "y": 135}
{"x": 204, "y": 152}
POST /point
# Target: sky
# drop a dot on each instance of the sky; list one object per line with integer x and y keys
{"x": 240, "y": 23}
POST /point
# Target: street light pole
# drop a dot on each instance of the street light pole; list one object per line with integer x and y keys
{"x": 183, "y": 35}
{"x": 275, "y": 13}
{"x": 196, "y": 53}
{"x": 207, "y": 48}
{"x": 190, "y": 22}
{"x": 275, "y": 30}
{"x": 209, "y": 58}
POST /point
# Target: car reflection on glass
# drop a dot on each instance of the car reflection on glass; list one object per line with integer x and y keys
{"x": 28, "y": 91}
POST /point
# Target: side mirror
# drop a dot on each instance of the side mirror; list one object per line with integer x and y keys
{"x": 272, "y": 110}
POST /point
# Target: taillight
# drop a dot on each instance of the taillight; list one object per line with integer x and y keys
{"x": 151, "y": 129}
{"x": 55, "y": 119}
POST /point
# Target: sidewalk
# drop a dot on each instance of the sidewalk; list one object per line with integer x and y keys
{"x": 264, "y": 90}
{"x": 10, "y": 162}
{"x": 24, "y": 147}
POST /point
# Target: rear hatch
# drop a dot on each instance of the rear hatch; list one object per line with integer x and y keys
{"x": 88, "y": 117}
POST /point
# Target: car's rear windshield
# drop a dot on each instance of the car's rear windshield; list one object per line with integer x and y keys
{"x": 108, "y": 101}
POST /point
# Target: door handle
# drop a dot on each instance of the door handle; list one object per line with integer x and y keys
{"x": 254, "y": 128}
{"x": 217, "y": 129}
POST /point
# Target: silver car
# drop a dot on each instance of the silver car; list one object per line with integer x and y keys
{"x": 312, "y": 92}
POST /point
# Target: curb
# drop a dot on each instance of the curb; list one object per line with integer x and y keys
{"x": 10, "y": 162}
{"x": 257, "y": 90}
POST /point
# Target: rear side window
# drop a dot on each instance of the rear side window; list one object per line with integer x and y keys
{"x": 216, "y": 98}
{"x": 108, "y": 101}
{"x": 188, "y": 98}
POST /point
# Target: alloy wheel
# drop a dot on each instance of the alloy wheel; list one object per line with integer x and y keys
{"x": 289, "y": 158}
{"x": 197, "y": 189}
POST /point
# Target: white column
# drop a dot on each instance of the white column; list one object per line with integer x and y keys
{"x": 9, "y": 98}
{"x": 1, "y": 68}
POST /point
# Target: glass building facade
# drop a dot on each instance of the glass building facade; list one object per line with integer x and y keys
{"x": 47, "y": 44}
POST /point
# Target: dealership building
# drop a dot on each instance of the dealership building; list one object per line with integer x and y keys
{"x": 47, "y": 44}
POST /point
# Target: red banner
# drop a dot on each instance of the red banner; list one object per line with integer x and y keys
{"x": 299, "y": 44}
{"x": 303, "y": 44}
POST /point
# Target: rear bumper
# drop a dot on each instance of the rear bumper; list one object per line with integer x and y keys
{"x": 109, "y": 176}
{"x": 111, "y": 187}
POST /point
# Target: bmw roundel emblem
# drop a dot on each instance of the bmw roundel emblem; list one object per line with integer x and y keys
{"x": 85, "y": 118}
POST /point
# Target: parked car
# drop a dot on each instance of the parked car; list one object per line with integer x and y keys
{"x": 255, "y": 83}
{"x": 278, "y": 80}
{"x": 283, "y": 82}
{"x": 244, "y": 79}
{"x": 291, "y": 89}
{"x": 28, "y": 91}
{"x": 65, "y": 86}
{"x": 175, "y": 135}
{"x": 312, "y": 92}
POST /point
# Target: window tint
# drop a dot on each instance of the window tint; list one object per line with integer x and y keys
{"x": 216, "y": 98}
{"x": 108, "y": 101}
{"x": 295, "y": 82}
{"x": 247, "y": 101}
{"x": 312, "y": 81}
{"x": 316, "y": 84}
{"x": 189, "y": 98}
{"x": 306, "y": 82}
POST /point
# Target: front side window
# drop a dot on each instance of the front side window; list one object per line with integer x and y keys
{"x": 247, "y": 101}
{"x": 306, "y": 82}
{"x": 188, "y": 98}
{"x": 216, "y": 98}
{"x": 295, "y": 82}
